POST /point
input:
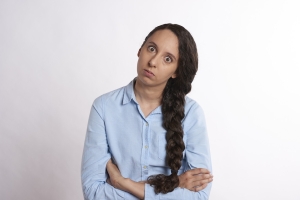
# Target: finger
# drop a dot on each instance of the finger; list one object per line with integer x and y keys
{"x": 199, "y": 177}
{"x": 197, "y": 189}
{"x": 189, "y": 181}
{"x": 192, "y": 185}
{"x": 204, "y": 171}
{"x": 204, "y": 176}
{"x": 210, "y": 180}
{"x": 199, "y": 171}
{"x": 199, "y": 183}
{"x": 191, "y": 189}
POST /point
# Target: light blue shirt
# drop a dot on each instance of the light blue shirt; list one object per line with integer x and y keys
{"x": 118, "y": 129}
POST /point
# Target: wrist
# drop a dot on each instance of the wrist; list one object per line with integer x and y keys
{"x": 127, "y": 184}
{"x": 135, "y": 188}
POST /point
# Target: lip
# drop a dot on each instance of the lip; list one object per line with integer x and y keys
{"x": 148, "y": 72}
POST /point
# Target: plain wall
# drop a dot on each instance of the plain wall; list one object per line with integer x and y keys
{"x": 57, "y": 56}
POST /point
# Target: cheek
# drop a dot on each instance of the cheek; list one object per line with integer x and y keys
{"x": 141, "y": 60}
{"x": 172, "y": 69}
{"x": 166, "y": 74}
{"x": 139, "y": 63}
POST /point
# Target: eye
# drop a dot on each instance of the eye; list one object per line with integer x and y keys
{"x": 151, "y": 49}
{"x": 168, "y": 59}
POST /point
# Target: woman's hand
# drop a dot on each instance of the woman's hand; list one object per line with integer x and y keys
{"x": 195, "y": 179}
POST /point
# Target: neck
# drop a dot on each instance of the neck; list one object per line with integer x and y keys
{"x": 146, "y": 94}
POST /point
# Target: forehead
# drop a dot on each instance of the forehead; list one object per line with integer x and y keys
{"x": 165, "y": 40}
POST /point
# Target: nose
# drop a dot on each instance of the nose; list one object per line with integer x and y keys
{"x": 153, "y": 61}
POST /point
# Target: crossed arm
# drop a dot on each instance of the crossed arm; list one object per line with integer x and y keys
{"x": 96, "y": 163}
{"x": 194, "y": 180}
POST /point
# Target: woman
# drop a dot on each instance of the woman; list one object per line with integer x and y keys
{"x": 148, "y": 140}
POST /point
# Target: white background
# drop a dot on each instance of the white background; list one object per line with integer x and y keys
{"x": 57, "y": 56}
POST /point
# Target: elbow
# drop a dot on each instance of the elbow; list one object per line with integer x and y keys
{"x": 92, "y": 191}
{"x": 204, "y": 194}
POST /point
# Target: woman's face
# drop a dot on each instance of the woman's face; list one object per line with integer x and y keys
{"x": 158, "y": 58}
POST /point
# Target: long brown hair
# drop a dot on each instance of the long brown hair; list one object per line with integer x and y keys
{"x": 173, "y": 101}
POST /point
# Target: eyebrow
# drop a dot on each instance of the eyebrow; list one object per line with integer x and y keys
{"x": 153, "y": 43}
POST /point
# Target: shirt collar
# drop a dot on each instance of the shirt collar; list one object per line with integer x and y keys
{"x": 157, "y": 110}
{"x": 129, "y": 95}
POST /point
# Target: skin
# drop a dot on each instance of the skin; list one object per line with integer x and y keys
{"x": 158, "y": 61}
{"x": 159, "y": 55}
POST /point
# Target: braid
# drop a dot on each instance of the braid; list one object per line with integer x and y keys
{"x": 173, "y": 112}
{"x": 173, "y": 101}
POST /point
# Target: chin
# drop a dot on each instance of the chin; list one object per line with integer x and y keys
{"x": 145, "y": 80}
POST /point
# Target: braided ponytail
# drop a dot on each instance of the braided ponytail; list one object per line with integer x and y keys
{"x": 173, "y": 101}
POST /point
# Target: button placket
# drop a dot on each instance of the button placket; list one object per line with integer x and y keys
{"x": 145, "y": 149}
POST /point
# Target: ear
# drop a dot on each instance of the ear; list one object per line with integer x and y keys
{"x": 138, "y": 54}
{"x": 174, "y": 75}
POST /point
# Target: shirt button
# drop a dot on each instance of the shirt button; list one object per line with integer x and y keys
{"x": 146, "y": 146}
{"x": 145, "y": 167}
{"x": 147, "y": 124}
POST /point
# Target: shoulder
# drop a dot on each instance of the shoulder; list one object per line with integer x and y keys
{"x": 191, "y": 105}
{"x": 117, "y": 96}
{"x": 192, "y": 111}
{"x": 112, "y": 96}
{"x": 194, "y": 118}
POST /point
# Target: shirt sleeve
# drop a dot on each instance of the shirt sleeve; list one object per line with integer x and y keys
{"x": 94, "y": 159}
{"x": 197, "y": 154}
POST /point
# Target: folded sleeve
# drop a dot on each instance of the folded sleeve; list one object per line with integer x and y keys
{"x": 197, "y": 153}
{"x": 95, "y": 156}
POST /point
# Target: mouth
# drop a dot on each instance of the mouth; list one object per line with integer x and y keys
{"x": 149, "y": 72}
